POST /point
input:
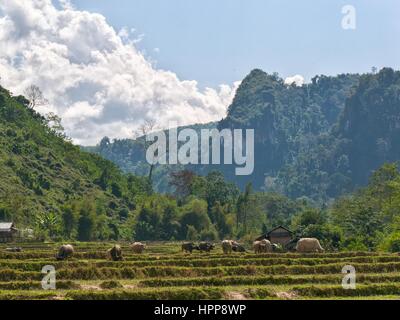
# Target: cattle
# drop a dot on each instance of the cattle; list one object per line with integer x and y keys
{"x": 237, "y": 247}
{"x": 66, "y": 251}
{"x": 257, "y": 246}
{"x": 189, "y": 247}
{"x": 206, "y": 246}
{"x": 291, "y": 245}
{"x": 263, "y": 246}
{"x": 227, "y": 246}
{"x": 15, "y": 249}
{"x": 308, "y": 245}
{"x": 115, "y": 253}
{"x": 138, "y": 247}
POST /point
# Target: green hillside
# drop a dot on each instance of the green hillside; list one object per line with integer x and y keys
{"x": 42, "y": 174}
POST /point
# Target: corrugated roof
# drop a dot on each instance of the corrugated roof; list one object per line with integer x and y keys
{"x": 5, "y": 226}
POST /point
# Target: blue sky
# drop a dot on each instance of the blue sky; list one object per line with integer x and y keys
{"x": 220, "y": 41}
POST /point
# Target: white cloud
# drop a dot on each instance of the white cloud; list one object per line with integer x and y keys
{"x": 297, "y": 79}
{"x": 94, "y": 77}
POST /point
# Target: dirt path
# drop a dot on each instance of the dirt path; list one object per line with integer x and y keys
{"x": 90, "y": 287}
{"x": 286, "y": 295}
{"x": 233, "y": 295}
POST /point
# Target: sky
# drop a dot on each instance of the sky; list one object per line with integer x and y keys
{"x": 220, "y": 41}
{"x": 106, "y": 66}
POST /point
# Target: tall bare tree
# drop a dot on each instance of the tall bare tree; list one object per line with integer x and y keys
{"x": 146, "y": 128}
{"x": 35, "y": 96}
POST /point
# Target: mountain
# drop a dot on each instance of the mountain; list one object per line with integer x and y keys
{"x": 319, "y": 140}
{"x": 286, "y": 119}
{"x": 42, "y": 176}
{"x": 364, "y": 137}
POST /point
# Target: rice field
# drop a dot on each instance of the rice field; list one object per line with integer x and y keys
{"x": 164, "y": 272}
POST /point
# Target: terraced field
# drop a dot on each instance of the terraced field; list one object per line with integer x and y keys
{"x": 164, "y": 272}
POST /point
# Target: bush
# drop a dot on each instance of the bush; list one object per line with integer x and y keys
{"x": 192, "y": 234}
{"x": 355, "y": 244}
{"x": 112, "y": 284}
{"x": 391, "y": 243}
{"x": 209, "y": 235}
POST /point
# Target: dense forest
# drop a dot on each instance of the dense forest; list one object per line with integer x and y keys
{"x": 325, "y": 167}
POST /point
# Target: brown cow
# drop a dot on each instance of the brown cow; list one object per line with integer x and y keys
{"x": 66, "y": 251}
{"x": 115, "y": 253}
{"x": 227, "y": 246}
{"x": 263, "y": 246}
{"x": 138, "y": 247}
{"x": 189, "y": 247}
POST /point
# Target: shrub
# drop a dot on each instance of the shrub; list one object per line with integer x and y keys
{"x": 391, "y": 243}
{"x": 112, "y": 284}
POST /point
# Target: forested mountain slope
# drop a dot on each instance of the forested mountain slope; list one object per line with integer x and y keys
{"x": 45, "y": 179}
{"x": 319, "y": 140}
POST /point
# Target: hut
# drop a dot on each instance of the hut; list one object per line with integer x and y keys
{"x": 8, "y": 232}
{"x": 279, "y": 235}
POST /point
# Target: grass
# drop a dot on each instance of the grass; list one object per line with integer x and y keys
{"x": 164, "y": 272}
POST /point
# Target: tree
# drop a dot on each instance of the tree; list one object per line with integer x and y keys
{"x": 69, "y": 221}
{"x": 54, "y": 123}
{"x": 220, "y": 218}
{"x": 105, "y": 178}
{"x": 116, "y": 189}
{"x": 170, "y": 224}
{"x": 194, "y": 214}
{"x": 192, "y": 234}
{"x": 35, "y": 97}
{"x": 86, "y": 221}
{"x": 146, "y": 128}
{"x": 213, "y": 188}
{"x": 182, "y": 182}
{"x": 47, "y": 224}
{"x": 242, "y": 206}
{"x": 148, "y": 223}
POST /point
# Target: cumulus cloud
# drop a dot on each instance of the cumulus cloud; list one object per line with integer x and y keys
{"x": 297, "y": 79}
{"x": 93, "y": 76}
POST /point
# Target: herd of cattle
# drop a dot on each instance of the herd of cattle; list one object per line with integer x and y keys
{"x": 305, "y": 245}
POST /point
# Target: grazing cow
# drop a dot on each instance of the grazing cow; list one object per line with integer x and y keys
{"x": 206, "y": 246}
{"x": 227, "y": 246}
{"x": 15, "y": 249}
{"x": 66, "y": 251}
{"x": 263, "y": 246}
{"x": 189, "y": 247}
{"x": 291, "y": 245}
{"x": 115, "y": 253}
{"x": 237, "y": 247}
{"x": 266, "y": 245}
{"x": 307, "y": 245}
{"x": 138, "y": 247}
{"x": 257, "y": 246}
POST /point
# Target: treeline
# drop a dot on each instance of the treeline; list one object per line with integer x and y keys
{"x": 209, "y": 208}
